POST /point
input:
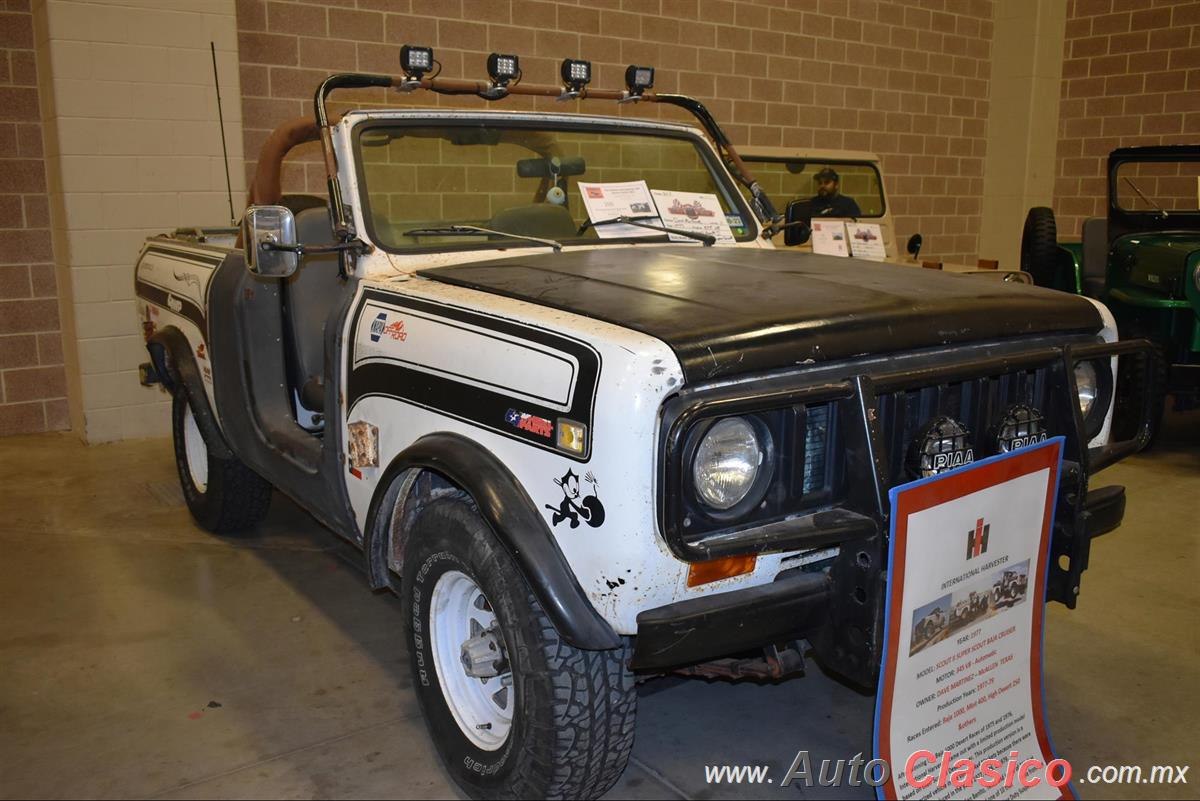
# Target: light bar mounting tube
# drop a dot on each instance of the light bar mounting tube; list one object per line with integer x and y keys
{"x": 761, "y": 202}
{"x": 345, "y": 80}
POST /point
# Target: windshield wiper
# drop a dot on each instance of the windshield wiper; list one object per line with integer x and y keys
{"x": 708, "y": 239}
{"x": 461, "y": 230}
{"x": 1147, "y": 200}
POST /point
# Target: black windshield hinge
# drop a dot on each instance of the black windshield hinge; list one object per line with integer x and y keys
{"x": 355, "y": 247}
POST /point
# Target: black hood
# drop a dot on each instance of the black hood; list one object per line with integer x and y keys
{"x": 728, "y": 311}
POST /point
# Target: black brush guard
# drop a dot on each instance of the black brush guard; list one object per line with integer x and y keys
{"x": 841, "y": 610}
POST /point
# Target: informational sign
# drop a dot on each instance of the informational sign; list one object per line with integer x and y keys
{"x": 625, "y": 199}
{"x": 866, "y": 241}
{"x": 829, "y": 237}
{"x": 698, "y": 212}
{"x": 959, "y": 708}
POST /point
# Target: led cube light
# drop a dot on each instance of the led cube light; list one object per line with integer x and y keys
{"x": 638, "y": 79}
{"x": 576, "y": 74}
{"x": 503, "y": 68}
{"x": 415, "y": 61}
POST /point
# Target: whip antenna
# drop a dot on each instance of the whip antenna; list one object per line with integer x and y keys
{"x": 221, "y": 117}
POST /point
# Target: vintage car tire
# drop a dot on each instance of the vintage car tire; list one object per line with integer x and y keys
{"x": 571, "y": 711}
{"x": 223, "y": 495}
{"x": 1039, "y": 245}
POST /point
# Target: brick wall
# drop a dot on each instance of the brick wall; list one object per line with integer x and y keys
{"x": 33, "y": 385}
{"x": 908, "y": 80}
{"x": 1131, "y": 76}
{"x": 133, "y": 149}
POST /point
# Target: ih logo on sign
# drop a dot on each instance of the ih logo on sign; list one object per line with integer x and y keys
{"x": 977, "y": 539}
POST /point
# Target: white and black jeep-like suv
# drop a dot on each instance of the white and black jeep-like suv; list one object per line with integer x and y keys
{"x": 579, "y": 458}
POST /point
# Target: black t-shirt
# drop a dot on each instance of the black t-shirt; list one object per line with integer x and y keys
{"x": 837, "y": 206}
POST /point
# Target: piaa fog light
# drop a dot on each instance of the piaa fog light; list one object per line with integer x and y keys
{"x": 942, "y": 446}
{"x": 1021, "y": 425}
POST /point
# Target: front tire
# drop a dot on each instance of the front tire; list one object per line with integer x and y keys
{"x": 514, "y": 711}
{"x": 223, "y": 495}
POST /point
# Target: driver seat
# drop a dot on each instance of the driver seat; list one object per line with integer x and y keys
{"x": 309, "y": 297}
{"x": 544, "y": 220}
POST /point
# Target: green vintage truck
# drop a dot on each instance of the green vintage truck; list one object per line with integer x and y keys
{"x": 1142, "y": 260}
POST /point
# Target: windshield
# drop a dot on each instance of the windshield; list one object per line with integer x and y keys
{"x": 827, "y": 188}
{"x": 419, "y": 181}
{"x": 1151, "y": 186}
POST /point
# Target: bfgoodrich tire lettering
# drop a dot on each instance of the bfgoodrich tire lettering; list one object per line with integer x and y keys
{"x": 573, "y": 714}
{"x": 226, "y": 498}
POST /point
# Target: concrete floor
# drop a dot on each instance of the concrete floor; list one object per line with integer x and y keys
{"x": 140, "y": 656}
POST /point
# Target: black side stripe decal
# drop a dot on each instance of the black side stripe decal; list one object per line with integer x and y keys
{"x": 161, "y": 297}
{"x": 484, "y": 407}
{"x": 187, "y": 255}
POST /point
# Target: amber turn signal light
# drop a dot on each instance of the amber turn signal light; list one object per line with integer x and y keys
{"x": 717, "y": 569}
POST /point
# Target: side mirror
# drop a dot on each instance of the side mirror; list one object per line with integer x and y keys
{"x": 264, "y": 227}
{"x": 914, "y": 245}
{"x": 797, "y": 230}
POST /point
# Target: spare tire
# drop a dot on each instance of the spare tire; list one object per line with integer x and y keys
{"x": 1039, "y": 245}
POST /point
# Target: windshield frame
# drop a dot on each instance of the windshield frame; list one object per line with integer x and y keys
{"x": 1122, "y": 222}
{"x": 555, "y": 124}
{"x": 883, "y": 212}
{"x": 1114, "y": 178}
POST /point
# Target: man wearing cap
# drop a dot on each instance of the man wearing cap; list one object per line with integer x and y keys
{"x": 829, "y": 201}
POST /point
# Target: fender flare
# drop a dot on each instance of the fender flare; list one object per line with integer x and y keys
{"x": 175, "y": 364}
{"x": 513, "y": 517}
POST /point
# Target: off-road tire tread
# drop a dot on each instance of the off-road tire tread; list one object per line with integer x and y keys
{"x": 579, "y": 745}
{"x": 237, "y": 497}
{"x": 595, "y": 709}
{"x": 246, "y": 496}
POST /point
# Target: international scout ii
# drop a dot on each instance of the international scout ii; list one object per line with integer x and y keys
{"x": 582, "y": 447}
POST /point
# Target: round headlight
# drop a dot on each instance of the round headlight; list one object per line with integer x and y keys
{"x": 1087, "y": 385}
{"x": 727, "y": 462}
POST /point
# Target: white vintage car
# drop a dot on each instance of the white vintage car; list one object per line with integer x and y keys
{"x": 586, "y": 449}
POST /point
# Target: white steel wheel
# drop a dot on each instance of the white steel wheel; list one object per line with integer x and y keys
{"x": 470, "y": 660}
{"x": 195, "y": 451}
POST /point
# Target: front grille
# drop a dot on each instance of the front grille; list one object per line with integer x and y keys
{"x": 824, "y": 467}
{"x": 816, "y": 448}
{"x": 977, "y": 403}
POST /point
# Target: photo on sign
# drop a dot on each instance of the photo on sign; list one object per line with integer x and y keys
{"x": 929, "y": 624}
{"x": 1010, "y": 586}
{"x": 983, "y": 598}
{"x": 866, "y": 241}
{"x": 608, "y": 201}
{"x": 829, "y": 238}
{"x": 697, "y": 212}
